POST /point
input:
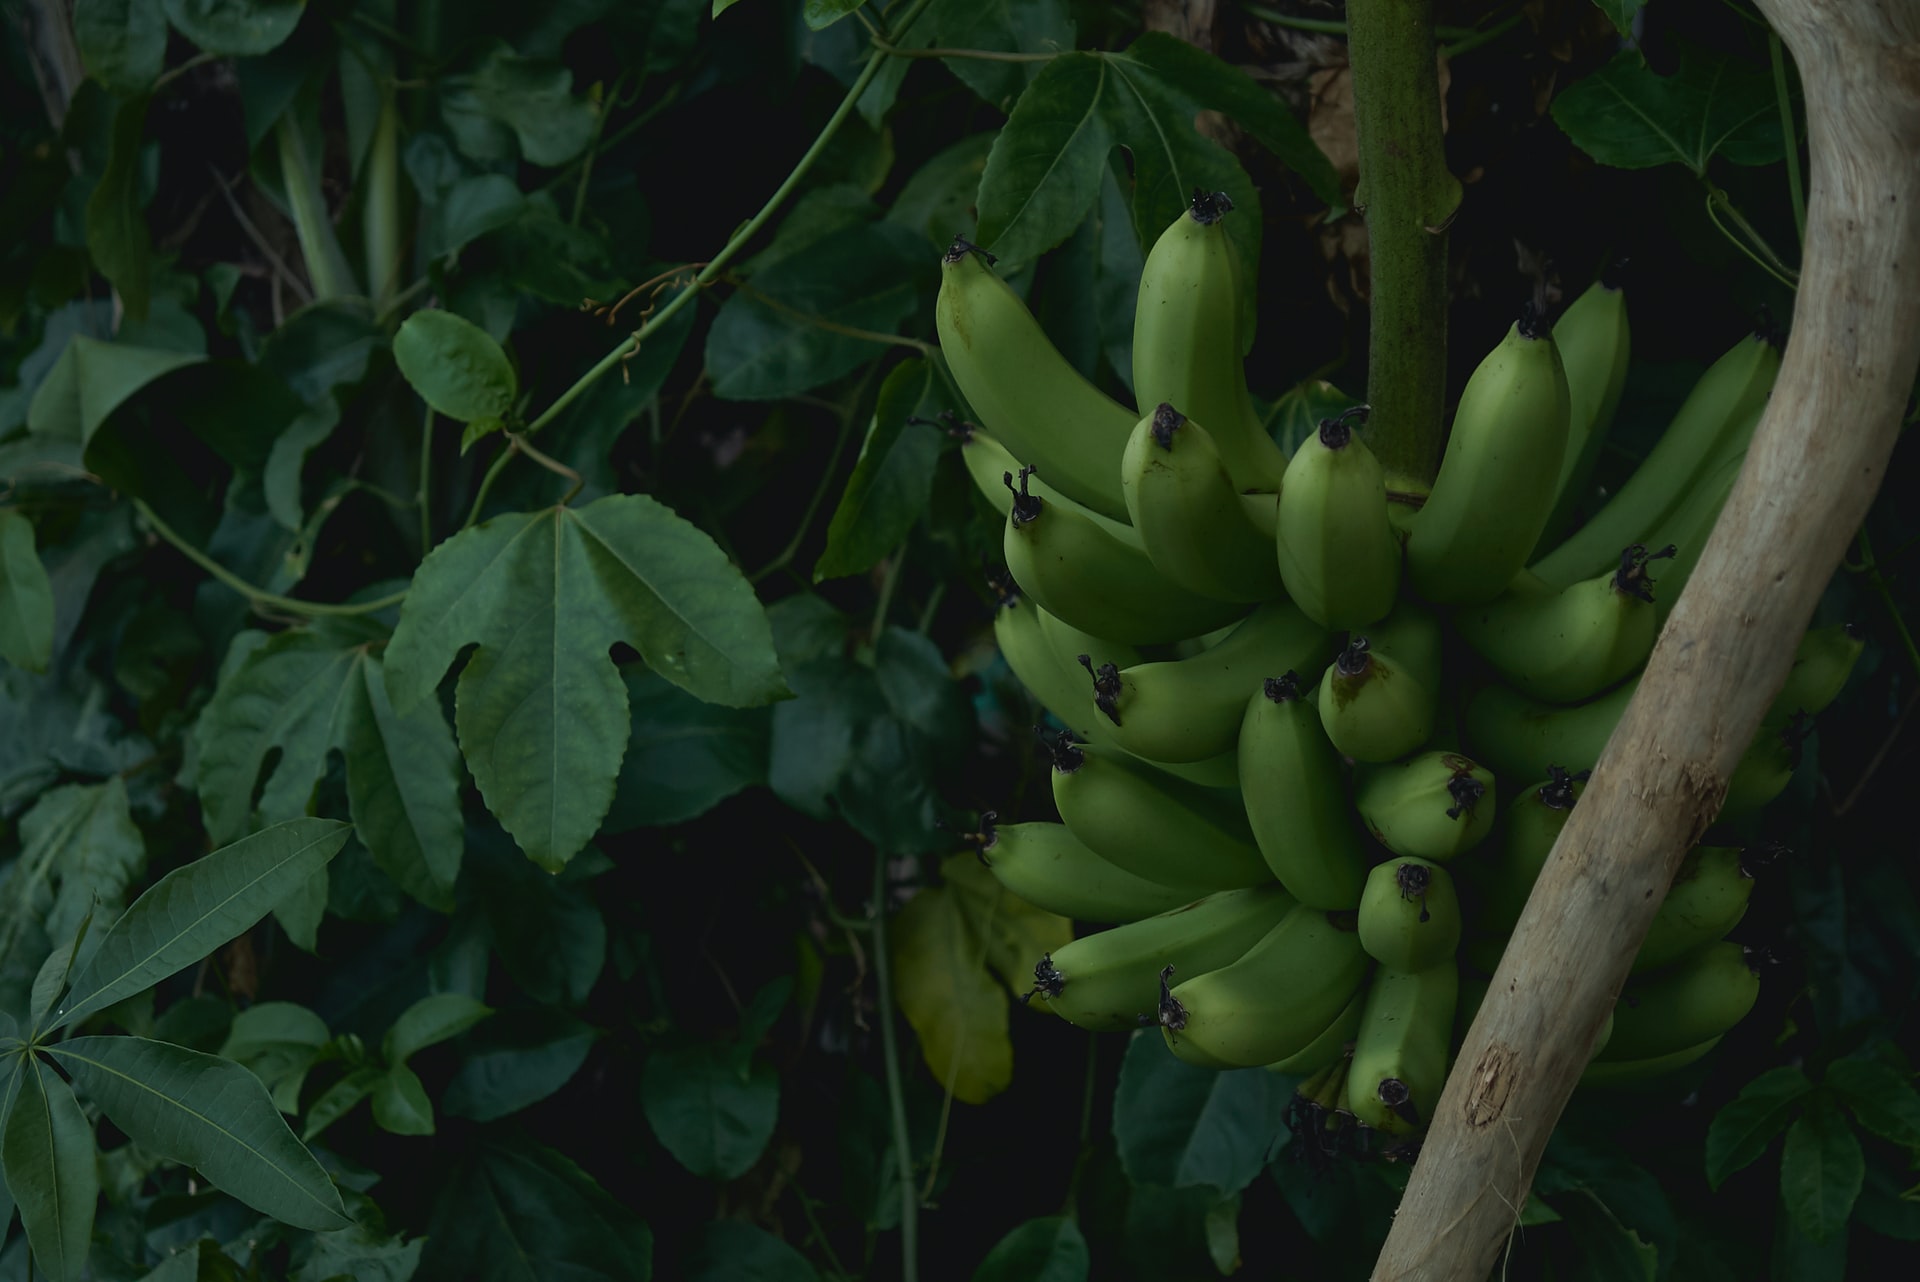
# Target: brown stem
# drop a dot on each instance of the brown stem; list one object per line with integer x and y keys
{"x": 1816, "y": 462}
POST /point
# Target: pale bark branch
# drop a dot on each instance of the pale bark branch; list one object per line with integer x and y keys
{"x": 1816, "y": 462}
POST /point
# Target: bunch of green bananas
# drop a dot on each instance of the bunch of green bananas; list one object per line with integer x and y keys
{"x": 1324, "y": 732}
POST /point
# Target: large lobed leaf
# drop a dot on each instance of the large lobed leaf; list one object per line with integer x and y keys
{"x": 1626, "y": 115}
{"x": 540, "y": 708}
{"x": 208, "y": 1113}
{"x": 196, "y": 908}
{"x": 305, "y": 693}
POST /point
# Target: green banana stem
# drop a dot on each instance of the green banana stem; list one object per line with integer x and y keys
{"x": 326, "y": 264}
{"x": 1409, "y": 199}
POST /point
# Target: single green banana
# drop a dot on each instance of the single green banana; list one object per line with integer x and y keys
{"x": 1191, "y": 519}
{"x": 1724, "y": 400}
{"x": 1611, "y": 1073}
{"x": 1489, "y": 502}
{"x": 1295, "y": 794}
{"x": 1687, "y": 526}
{"x": 1373, "y": 707}
{"x": 1569, "y": 645}
{"x": 1050, "y": 868}
{"x": 1595, "y": 345}
{"x": 1152, "y": 824}
{"x": 1023, "y": 631}
{"x": 1820, "y": 670}
{"x": 1431, "y": 806}
{"x": 1699, "y": 997}
{"x": 1519, "y": 737}
{"x": 1273, "y": 1002}
{"x": 1530, "y": 826}
{"x": 1187, "y": 340}
{"x": 1400, "y": 1053}
{"x": 1764, "y": 769}
{"x": 1191, "y": 709}
{"x": 1409, "y": 914}
{"x": 1111, "y": 980}
{"x": 988, "y": 463}
{"x": 1023, "y": 390}
{"x": 1707, "y": 899}
{"x": 1089, "y": 578}
{"x": 1326, "y": 1050}
{"x": 1339, "y": 555}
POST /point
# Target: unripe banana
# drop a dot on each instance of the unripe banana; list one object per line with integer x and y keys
{"x": 1726, "y": 399}
{"x": 1187, "y": 340}
{"x": 1820, "y": 670}
{"x": 1764, "y": 769}
{"x": 1021, "y": 628}
{"x": 1153, "y": 825}
{"x": 1490, "y": 501}
{"x": 1699, "y": 997}
{"x": 1400, "y": 1053}
{"x": 1338, "y": 553}
{"x": 1409, "y": 916}
{"x": 1432, "y": 806}
{"x": 1569, "y": 645}
{"x": 1707, "y": 899}
{"x": 1331, "y": 1046}
{"x": 988, "y": 462}
{"x": 1519, "y": 737}
{"x": 1191, "y": 709}
{"x": 1273, "y": 1002}
{"x": 1050, "y": 868}
{"x": 1111, "y": 980}
{"x": 1190, "y": 517}
{"x": 1373, "y": 707}
{"x": 1594, "y": 344}
{"x": 1610, "y": 1073}
{"x": 1089, "y": 578}
{"x": 1040, "y": 407}
{"x": 1295, "y": 794}
{"x": 1532, "y": 824}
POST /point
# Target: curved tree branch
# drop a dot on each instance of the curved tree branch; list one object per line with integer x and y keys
{"x": 1815, "y": 464}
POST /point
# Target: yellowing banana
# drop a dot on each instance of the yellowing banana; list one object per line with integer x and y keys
{"x": 1024, "y": 392}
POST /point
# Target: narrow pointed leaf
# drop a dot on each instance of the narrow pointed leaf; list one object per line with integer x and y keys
{"x": 208, "y": 1113}
{"x": 338, "y": 1100}
{"x": 49, "y": 1157}
{"x": 1743, "y": 1129}
{"x": 1821, "y": 1171}
{"x": 540, "y": 708}
{"x": 194, "y": 909}
{"x": 26, "y": 597}
{"x": 1045, "y": 166}
{"x": 403, "y": 782}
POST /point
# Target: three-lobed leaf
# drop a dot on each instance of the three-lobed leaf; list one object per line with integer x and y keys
{"x": 207, "y": 1113}
{"x": 1628, "y": 116}
{"x": 456, "y": 366}
{"x": 48, "y": 1151}
{"x": 540, "y": 709}
{"x": 198, "y": 907}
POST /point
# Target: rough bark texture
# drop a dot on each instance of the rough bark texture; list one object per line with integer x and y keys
{"x": 1815, "y": 465}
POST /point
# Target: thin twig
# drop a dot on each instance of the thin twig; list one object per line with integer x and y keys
{"x": 896, "y": 1093}
{"x": 279, "y": 264}
{"x": 253, "y": 594}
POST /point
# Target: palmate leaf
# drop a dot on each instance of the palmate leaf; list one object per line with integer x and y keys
{"x": 49, "y": 1158}
{"x": 1626, "y": 115}
{"x": 540, "y": 708}
{"x": 196, "y": 908}
{"x": 306, "y": 692}
{"x": 208, "y": 1113}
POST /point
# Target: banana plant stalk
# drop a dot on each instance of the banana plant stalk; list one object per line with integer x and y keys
{"x": 1408, "y": 199}
{"x": 1816, "y": 462}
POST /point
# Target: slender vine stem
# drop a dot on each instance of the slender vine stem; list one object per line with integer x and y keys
{"x": 1795, "y": 190}
{"x": 718, "y": 263}
{"x": 896, "y": 1094}
{"x": 1747, "y": 238}
{"x": 257, "y": 596}
{"x": 977, "y": 55}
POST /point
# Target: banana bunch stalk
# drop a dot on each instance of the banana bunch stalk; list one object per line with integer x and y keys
{"x": 1319, "y": 744}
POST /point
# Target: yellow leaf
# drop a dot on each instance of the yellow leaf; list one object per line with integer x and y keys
{"x": 943, "y": 942}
